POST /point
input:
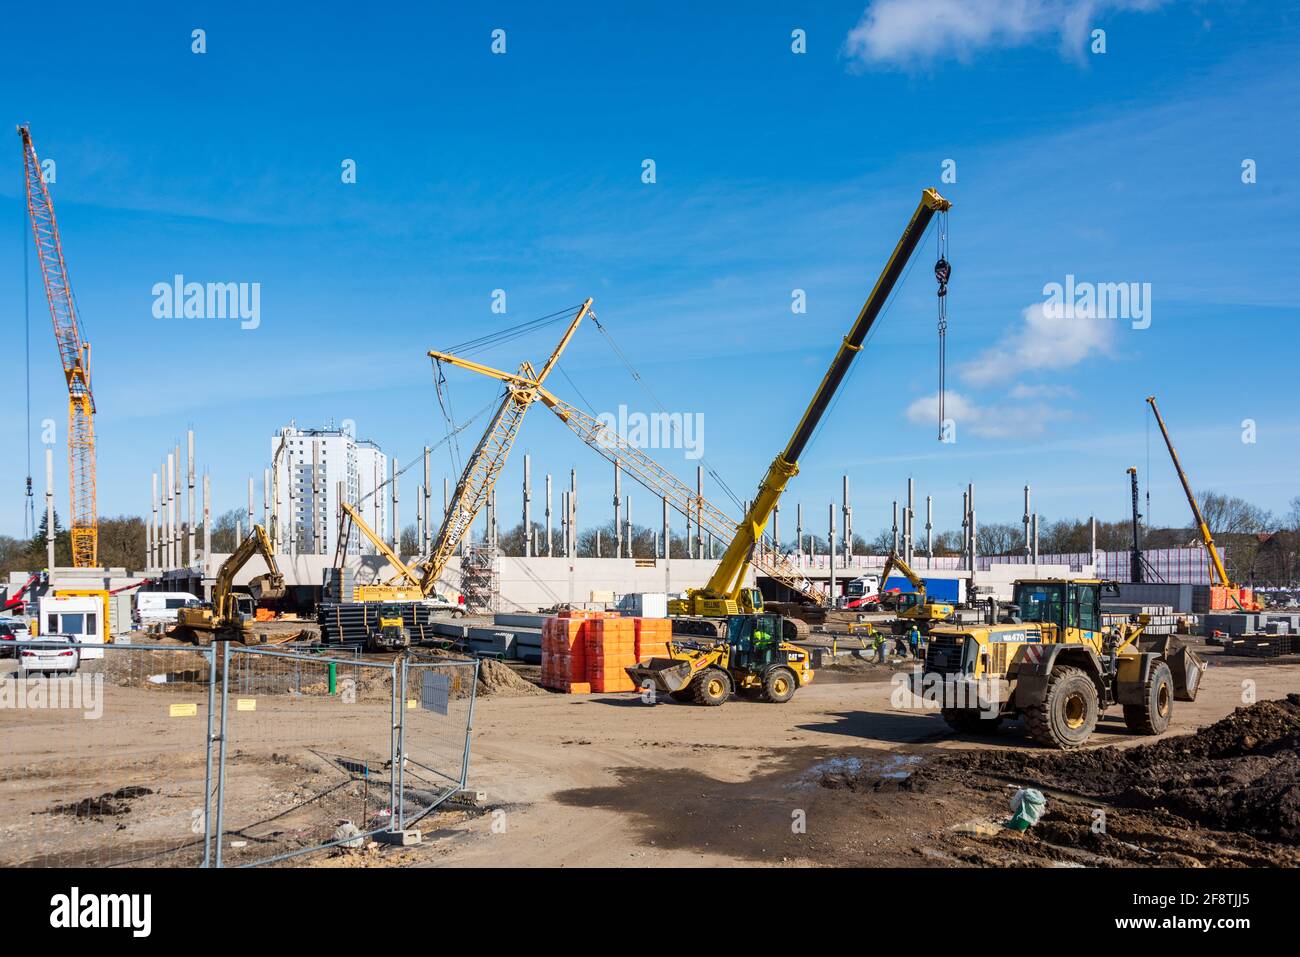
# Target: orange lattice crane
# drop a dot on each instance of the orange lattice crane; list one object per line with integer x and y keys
{"x": 74, "y": 352}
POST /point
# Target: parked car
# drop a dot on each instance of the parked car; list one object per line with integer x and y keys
{"x": 442, "y": 603}
{"x": 49, "y": 654}
{"x": 11, "y": 630}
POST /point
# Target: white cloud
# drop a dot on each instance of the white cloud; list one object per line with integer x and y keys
{"x": 1010, "y": 417}
{"x": 1043, "y": 341}
{"x": 901, "y": 31}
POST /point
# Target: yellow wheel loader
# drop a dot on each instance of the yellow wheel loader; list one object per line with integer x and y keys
{"x": 750, "y": 659}
{"x": 1056, "y": 666}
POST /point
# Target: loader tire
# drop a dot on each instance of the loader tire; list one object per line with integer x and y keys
{"x": 779, "y": 685}
{"x": 1067, "y": 715}
{"x": 711, "y": 687}
{"x": 966, "y": 721}
{"x": 1152, "y": 716}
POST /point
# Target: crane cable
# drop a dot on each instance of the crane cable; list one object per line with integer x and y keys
{"x": 29, "y": 513}
{"x": 942, "y": 272}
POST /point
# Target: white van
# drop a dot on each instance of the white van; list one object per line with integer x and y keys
{"x": 160, "y": 606}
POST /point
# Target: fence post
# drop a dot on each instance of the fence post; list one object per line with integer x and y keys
{"x": 469, "y": 727}
{"x": 395, "y": 756}
{"x": 221, "y": 763}
{"x": 207, "y": 774}
{"x": 399, "y": 769}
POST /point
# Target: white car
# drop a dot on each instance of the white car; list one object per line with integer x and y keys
{"x": 11, "y": 630}
{"x": 441, "y": 603}
{"x": 49, "y": 654}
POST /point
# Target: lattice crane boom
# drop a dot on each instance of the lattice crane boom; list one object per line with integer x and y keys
{"x": 74, "y": 353}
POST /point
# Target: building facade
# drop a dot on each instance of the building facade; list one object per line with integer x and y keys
{"x": 310, "y": 469}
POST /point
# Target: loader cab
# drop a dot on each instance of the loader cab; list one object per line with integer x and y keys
{"x": 1072, "y": 606}
{"x": 754, "y": 640}
{"x": 750, "y": 601}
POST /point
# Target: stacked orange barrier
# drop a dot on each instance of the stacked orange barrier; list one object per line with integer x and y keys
{"x": 611, "y": 647}
{"x": 564, "y": 655}
{"x": 652, "y": 637}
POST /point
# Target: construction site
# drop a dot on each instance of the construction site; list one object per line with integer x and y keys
{"x": 540, "y": 634}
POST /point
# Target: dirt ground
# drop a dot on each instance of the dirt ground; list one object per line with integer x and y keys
{"x": 837, "y": 776}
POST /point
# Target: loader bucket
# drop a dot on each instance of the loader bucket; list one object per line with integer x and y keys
{"x": 1185, "y": 666}
{"x": 663, "y": 674}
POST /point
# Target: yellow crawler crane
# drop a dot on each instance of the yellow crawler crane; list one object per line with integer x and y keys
{"x": 405, "y": 586}
{"x": 489, "y": 458}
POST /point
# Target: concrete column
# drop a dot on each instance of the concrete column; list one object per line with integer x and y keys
{"x": 239, "y": 532}
{"x": 189, "y": 460}
{"x": 910, "y": 541}
{"x": 1035, "y": 527}
{"x": 896, "y": 525}
{"x": 1092, "y": 540}
{"x": 564, "y": 524}
{"x": 970, "y": 508}
{"x": 1028, "y": 549}
{"x": 549, "y": 547}
{"x": 618, "y": 500}
{"x": 627, "y": 517}
{"x": 668, "y": 537}
{"x": 965, "y": 528}
{"x": 266, "y": 499}
{"x": 798, "y": 530}
{"x": 207, "y": 524}
{"x": 251, "y": 519}
{"x": 528, "y": 506}
{"x": 155, "y": 560}
{"x": 397, "y": 525}
{"x": 426, "y": 539}
{"x": 699, "y": 518}
{"x": 830, "y": 545}
{"x": 178, "y": 518}
{"x": 848, "y": 522}
{"x": 49, "y": 509}
{"x": 171, "y": 511}
{"x": 573, "y": 509}
{"x": 340, "y": 496}
{"x": 776, "y": 527}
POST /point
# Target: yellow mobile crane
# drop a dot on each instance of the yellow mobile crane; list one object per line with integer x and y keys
{"x": 1236, "y": 593}
{"x": 724, "y": 594}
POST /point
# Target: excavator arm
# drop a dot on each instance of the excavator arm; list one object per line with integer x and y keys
{"x": 270, "y": 585}
{"x": 896, "y": 561}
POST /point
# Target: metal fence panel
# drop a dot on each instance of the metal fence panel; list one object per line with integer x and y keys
{"x": 437, "y": 717}
{"x": 109, "y": 766}
{"x": 307, "y": 747}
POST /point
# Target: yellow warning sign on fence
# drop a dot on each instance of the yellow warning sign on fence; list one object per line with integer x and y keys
{"x": 411, "y": 703}
{"x": 245, "y": 704}
{"x": 182, "y": 710}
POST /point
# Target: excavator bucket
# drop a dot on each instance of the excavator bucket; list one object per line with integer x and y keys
{"x": 663, "y": 674}
{"x": 265, "y": 587}
{"x": 1185, "y": 666}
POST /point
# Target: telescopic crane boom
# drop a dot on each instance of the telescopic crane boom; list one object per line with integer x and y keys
{"x": 723, "y": 594}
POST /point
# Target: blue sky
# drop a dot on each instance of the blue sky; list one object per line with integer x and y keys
{"x": 775, "y": 171}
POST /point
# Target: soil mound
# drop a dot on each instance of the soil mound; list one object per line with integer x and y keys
{"x": 1240, "y": 774}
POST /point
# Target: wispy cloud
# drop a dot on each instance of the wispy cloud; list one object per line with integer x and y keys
{"x": 1001, "y": 417}
{"x": 903, "y": 32}
{"x": 1041, "y": 341}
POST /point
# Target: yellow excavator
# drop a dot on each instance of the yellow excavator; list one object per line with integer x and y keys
{"x": 1056, "y": 666}
{"x": 914, "y": 607}
{"x": 725, "y": 594}
{"x": 230, "y": 615}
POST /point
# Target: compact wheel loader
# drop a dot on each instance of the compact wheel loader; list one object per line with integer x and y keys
{"x": 1056, "y": 666}
{"x": 750, "y": 659}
